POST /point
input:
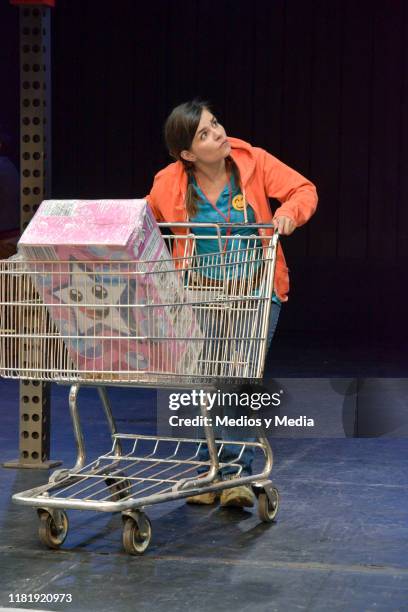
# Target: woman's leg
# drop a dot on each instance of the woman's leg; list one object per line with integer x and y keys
{"x": 231, "y": 451}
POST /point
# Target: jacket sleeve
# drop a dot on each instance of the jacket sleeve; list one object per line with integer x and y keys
{"x": 297, "y": 195}
{"x": 153, "y": 200}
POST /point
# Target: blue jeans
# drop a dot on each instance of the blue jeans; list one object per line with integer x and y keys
{"x": 231, "y": 451}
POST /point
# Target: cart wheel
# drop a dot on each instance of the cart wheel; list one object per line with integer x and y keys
{"x": 137, "y": 533}
{"x": 118, "y": 489}
{"x": 268, "y": 510}
{"x": 50, "y": 533}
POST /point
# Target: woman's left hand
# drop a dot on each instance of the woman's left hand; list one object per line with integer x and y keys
{"x": 284, "y": 225}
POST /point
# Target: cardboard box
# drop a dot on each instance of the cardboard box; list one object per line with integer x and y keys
{"x": 117, "y": 299}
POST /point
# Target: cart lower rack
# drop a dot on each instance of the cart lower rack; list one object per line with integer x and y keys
{"x": 197, "y": 319}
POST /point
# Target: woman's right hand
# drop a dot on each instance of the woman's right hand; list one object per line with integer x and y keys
{"x": 284, "y": 225}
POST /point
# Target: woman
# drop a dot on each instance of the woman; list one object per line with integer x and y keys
{"x": 216, "y": 178}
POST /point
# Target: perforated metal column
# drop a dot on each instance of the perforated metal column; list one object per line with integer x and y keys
{"x": 35, "y": 109}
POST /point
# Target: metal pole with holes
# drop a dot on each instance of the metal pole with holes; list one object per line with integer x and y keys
{"x": 35, "y": 176}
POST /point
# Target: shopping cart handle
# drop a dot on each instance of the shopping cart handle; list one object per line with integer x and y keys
{"x": 216, "y": 225}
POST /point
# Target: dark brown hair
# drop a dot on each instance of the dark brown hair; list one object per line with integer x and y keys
{"x": 179, "y": 131}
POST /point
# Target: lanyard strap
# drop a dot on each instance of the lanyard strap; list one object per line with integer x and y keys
{"x": 226, "y": 217}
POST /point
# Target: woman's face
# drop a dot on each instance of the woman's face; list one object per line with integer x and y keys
{"x": 210, "y": 144}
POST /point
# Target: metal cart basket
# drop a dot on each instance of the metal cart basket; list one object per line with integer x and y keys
{"x": 195, "y": 320}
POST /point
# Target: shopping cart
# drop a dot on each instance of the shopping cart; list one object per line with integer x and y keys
{"x": 194, "y": 320}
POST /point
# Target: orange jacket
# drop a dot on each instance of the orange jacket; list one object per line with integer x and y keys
{"x": 262, "y": 176}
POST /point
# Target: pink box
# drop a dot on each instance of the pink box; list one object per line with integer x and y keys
{"x": 114, "y": 316}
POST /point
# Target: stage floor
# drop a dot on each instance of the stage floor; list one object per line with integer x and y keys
{"x": 340, "y": 541}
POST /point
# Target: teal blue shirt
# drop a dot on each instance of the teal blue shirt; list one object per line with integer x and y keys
{"x": 236, "y": 250}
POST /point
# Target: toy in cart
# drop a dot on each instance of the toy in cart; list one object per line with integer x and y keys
{"x": 111, "y": 306}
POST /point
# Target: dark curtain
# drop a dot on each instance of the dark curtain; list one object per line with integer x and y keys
{"x": 322, "y": 85}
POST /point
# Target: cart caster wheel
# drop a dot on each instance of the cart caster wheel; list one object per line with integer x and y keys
{"x": 137, "y": 533}
{"x": 268, "y": 510}
{"x": 53, "y": 528}
{"x": 118, "y": 489}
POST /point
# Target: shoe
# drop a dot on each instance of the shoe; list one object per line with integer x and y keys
{"x": 238, "y": 497}
{"x": 204, "y": 499}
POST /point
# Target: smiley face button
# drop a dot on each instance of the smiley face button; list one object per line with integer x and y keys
{"x": 238, "y": 202}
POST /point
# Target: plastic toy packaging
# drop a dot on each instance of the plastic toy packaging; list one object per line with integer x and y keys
{"x": 105, "y": 274}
